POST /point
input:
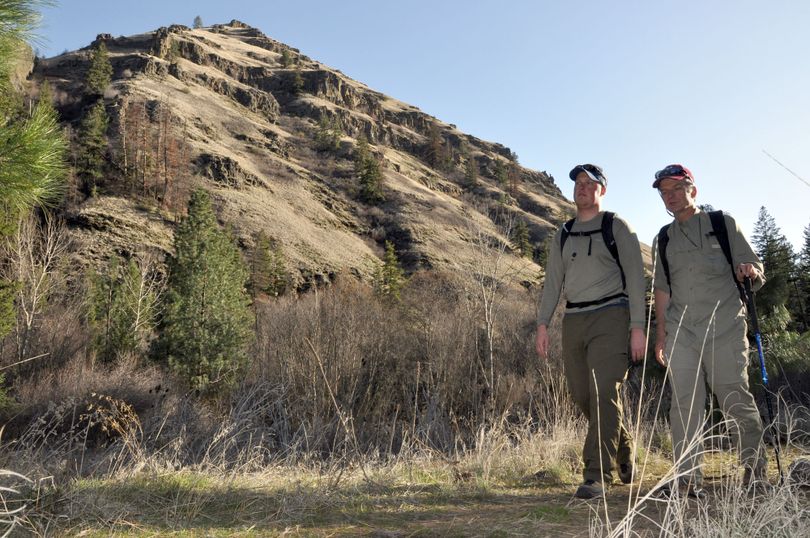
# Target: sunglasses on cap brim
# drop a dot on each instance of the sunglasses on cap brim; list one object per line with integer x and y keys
{"x": 672, "y": 171}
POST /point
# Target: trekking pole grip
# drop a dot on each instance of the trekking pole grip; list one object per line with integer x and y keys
{"x": 752, "y": 306}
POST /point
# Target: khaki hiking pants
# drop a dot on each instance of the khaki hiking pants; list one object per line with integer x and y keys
{"x": 721, "y": 366}
{"x": 595, "y": 346}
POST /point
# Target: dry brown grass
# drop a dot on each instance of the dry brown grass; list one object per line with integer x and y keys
{"x": 357, "y": 414}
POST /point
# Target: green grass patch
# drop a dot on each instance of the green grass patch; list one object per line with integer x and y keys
{"x": 551, "y": 514}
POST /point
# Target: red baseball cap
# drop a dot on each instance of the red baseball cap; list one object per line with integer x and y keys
{"x": 678, "y": 172}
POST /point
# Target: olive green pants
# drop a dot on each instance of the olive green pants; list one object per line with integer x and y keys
{"x": 595, "y": 346}
{"x": 719, "y": 361}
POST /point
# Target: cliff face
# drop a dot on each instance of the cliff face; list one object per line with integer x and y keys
{"x": 236, "y": 112}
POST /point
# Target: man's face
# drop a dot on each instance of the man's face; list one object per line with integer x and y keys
{"x": 587, "y": 192}
{"x": 677, "y": 195}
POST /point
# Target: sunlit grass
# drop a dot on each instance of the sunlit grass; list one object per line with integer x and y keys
{"x": 421, "y": 495}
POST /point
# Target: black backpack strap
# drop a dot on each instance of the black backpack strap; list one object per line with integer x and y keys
{"x": 566, "y": 231}
{"x": 606, "y": 229}
{"x": 610, "y": 242}
{"x": 721, "y": 233}
{"x": 663, "y": 239}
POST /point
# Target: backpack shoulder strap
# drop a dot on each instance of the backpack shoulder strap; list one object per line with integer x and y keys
{"x": 663, "y": 239}
{"x": 721, "y": 233}
{"x": 610, "y": 241}
{"x": 566, "y": 231}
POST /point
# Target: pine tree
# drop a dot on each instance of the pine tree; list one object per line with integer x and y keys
{"x": 367, "y": 168}
{"x": 501, "y": 173}
{"x": 93, "y": 146}
{"x": 208, "y": 321}
{"x": 32, "y": 147}
{"x": 268, "y": 274}
{"x": 33, "y": 151}
{"x": 100, "y": 73}
{"x": 803, "y": 281}
{"x": 542, "y": 253}
{"x": 777, "y": 258}
{"x": 328, "y": 135}
{"x": 198, "y": 22}
{"x": 389, "y": 278}
{"x": 470, "y": 172}
{"x": 286, "y": 58}
{"x": 521, "y": 240}
{"x": 296, "y": 82}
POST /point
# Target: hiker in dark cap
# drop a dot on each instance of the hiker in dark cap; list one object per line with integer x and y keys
{"x": 595, "y": 262}
{"x": 701, "y": 327}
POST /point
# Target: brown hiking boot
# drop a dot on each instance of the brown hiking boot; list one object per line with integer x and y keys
{"x": 590, "y": 489}
{"x": 756, "y": 482}
{"x": 626, "y": 472}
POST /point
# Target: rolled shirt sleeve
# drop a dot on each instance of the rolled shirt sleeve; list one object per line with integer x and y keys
{"x": 741, "y": 251}
{"x": 552, "y": 285}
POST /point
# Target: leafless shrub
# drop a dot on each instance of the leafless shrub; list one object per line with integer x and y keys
{"x": 409, "y": 377}
{"x": 34, "y": 257}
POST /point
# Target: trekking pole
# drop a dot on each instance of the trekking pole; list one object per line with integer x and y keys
{"x": 752, "y": 311}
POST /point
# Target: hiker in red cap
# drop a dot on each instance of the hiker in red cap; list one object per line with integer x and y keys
{"x": 701, "y": 327}
{"x": 595, "y": 262}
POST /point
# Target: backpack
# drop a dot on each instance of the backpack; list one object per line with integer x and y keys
{"x": 606, "y": 229}
{"x": 718, "y": 230}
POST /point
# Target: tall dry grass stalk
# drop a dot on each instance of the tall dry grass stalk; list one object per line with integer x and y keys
{"x": 12, "y": 503}
{"x": 733, "y": 509}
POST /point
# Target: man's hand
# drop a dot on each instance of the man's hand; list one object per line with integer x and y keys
{"x": 747, "y": 270}
{"x": 542, "y": 341}
{"x": 638, "y": 346}
{"x": 660, "y": 345}
{"x": 661, "y": 299}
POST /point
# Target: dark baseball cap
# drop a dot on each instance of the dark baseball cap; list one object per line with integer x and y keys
{"x": 594, "y": 172}
{"x": 678, "y": 172}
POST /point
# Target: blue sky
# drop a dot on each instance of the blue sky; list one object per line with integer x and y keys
{"x": 629, "y": 85}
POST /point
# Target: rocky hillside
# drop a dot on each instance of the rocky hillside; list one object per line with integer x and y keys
{"x": 229, "y": 108}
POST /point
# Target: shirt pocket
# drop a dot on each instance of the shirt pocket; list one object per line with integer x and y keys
{"x": 716, "y": 261}
{"x": 717, "y": 264}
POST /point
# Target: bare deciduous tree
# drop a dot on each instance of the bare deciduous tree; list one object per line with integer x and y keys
{"x": 491, "y": 267}
{"x": 34, "y": 255}
{"x": 147, "y": 295}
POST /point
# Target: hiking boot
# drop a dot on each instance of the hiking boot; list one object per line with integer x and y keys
{"x": 753, "y": 475}
{"x": 691, "y": 491}
{"x": 755, "y": 481}
{"x": 590, "y": 489}
{"x": 626, "y": 472}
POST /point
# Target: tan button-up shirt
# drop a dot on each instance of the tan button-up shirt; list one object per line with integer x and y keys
{"x": 701, "y": 277}
{"x": 585, "y": 271}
